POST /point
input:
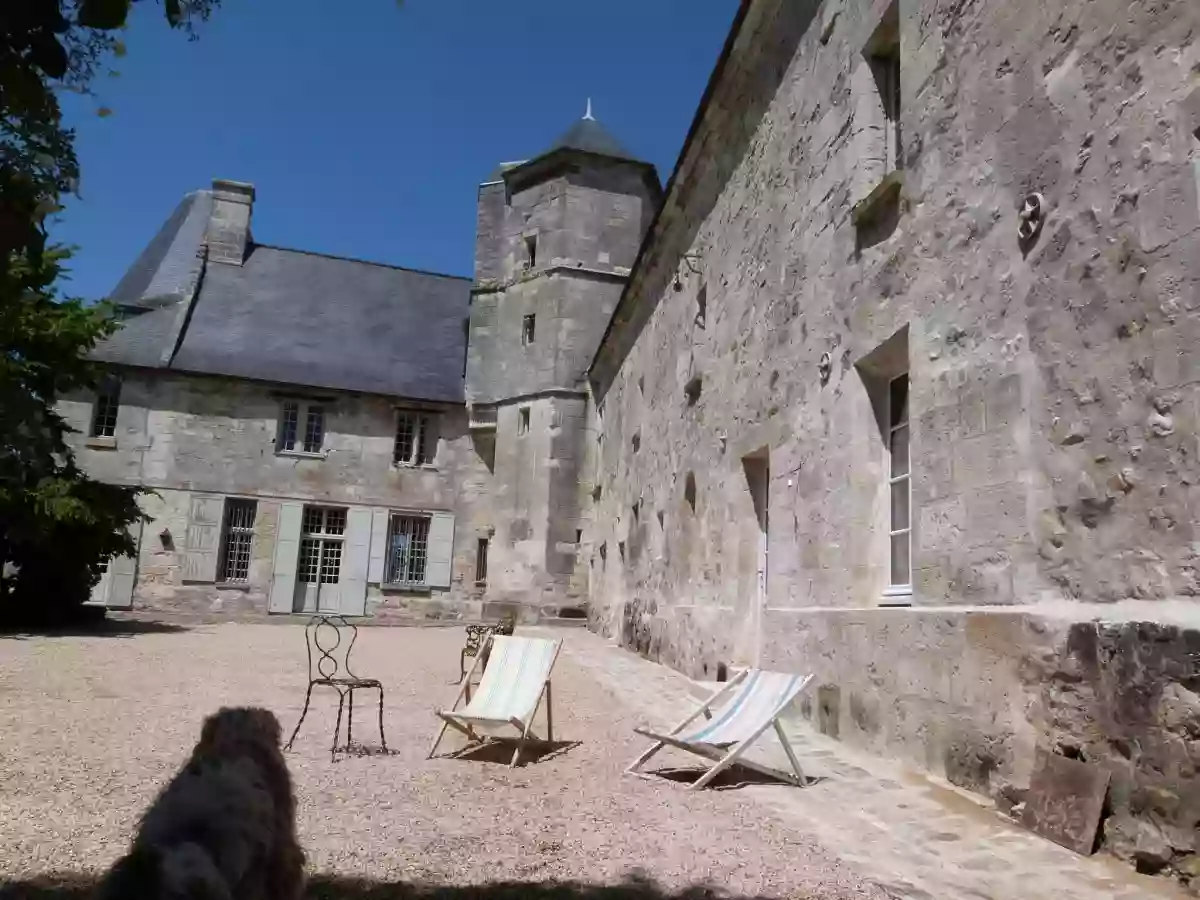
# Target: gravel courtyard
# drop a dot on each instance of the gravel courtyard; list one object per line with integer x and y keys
{"x": 90, "y": 727}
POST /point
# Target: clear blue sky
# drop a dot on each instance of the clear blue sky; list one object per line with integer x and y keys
{"x": 367, "y": 133}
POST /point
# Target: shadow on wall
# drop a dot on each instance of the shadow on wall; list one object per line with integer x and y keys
{"x": 333, "y": 887}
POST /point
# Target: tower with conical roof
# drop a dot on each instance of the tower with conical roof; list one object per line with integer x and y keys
{"x": 557, "y": 235}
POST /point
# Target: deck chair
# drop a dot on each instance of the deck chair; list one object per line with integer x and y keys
{"x": 752, "y": 702}
{"x": 509, "y": 694}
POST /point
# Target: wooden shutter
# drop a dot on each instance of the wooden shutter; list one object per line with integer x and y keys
{"x": 287, "y": 554}
{"x": 203, "y": 539}
{"x": 356, "y": 562}
{"x": 379, "y": 529}
{"x": 121, "y": 578}
{"x": 441, "y": 549}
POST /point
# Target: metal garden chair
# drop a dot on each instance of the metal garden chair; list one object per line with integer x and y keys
{"x": 477, "y": 641}
{"x": 329, "y": 641}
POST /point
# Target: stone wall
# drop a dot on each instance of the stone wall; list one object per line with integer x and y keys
{"x": 1052, "y": 396}
{"x": 587, "y": 215}
{"x": 188, "y": 437}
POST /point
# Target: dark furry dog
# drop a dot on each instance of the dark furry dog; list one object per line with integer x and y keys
{"x": 224, "y": 828}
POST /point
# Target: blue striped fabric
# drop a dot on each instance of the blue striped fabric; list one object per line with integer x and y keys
{"x": 760, "y": 697}
{"x": 512, "y": 683}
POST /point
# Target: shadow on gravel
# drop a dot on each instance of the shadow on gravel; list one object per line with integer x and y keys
{"x": 100, "y": 627}
{"x": 336, "y": 887}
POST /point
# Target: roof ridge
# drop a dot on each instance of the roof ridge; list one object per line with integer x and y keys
{"x": 365, "y": 262}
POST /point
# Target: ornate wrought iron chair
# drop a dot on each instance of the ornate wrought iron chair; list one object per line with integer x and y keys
{"x": 477, "y": 640}
{"x": 329, "y": 641}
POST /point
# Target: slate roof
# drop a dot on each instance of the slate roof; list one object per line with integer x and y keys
{"x": 584, "y": 136}
{"x": 589, "y": 136}
{"x": 291, "y": 317}
{"x": 165, "y": 267}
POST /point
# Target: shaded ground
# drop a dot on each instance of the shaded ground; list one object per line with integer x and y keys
{"x": 91, "y": 727}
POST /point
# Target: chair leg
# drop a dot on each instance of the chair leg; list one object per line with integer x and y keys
{"x": 382, "y": 739}
{"x": 350, "y": 722}
{"x": 462, "y": 665}
{"x": 791, "y": 755}
{"x": 520, "y": 745}
{"x": 726, "y": 761}
{"x": 338, "y": 727}
{"x": 304, "y": 712}
{"x": 549, "y": 715}
{"x": 634, "y": 766}
{"x": 437, "y": 740}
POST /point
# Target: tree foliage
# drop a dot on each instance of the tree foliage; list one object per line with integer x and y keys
{"x": 57, "y": 526}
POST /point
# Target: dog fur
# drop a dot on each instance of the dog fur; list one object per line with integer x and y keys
{"x": 224, "y": 828}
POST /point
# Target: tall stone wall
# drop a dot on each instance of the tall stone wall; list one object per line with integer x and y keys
{"x": 1053, "y": 398}
{"x": 192, "y": 437}
{"x": 586, "y": 216}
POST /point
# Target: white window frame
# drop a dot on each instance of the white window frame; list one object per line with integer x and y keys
{"x": 424, "y": 437}
{"x": 324, "y": 526}
{"x": 417, "y": 527}
{"x": 896, "y": 590}
{"x": 301, "y": 413}
{"x": 105, "y": 409}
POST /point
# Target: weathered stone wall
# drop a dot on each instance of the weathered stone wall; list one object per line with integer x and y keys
{"x": 185, "y": 437}
{"x": 587, "y": 217}
{"x": 1053, "y": 395}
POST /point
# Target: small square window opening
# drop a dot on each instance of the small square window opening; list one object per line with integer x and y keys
{"x": 523, "y": 420}
{"x": 527, "y": 330}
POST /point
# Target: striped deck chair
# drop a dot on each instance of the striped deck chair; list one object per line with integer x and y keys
{"x": 753, "y": 702}
{"x": 508, "y": 696}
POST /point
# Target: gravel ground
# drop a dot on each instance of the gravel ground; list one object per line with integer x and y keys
{"x": 91, "y": 727}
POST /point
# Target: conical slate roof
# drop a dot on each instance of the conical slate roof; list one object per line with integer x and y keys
{"x": 590, "y": 136}
{"x": 584, "y": 136}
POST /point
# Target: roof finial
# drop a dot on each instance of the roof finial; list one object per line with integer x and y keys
{"x": 588, "y": 115}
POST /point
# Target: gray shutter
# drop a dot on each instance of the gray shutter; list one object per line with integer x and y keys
{"x": 122, "y": 574}
{"x": 441, "y": 549}
{"x": 287, "y": 554}
{"x": 379, "y": 527}
{"x": 354, "y": 566}
{"x": 202, "y": 539}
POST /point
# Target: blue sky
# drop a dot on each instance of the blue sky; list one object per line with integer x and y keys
{"x": 366, "y": 133}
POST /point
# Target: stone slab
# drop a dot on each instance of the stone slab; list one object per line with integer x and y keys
{"x": 1066, "y": 797}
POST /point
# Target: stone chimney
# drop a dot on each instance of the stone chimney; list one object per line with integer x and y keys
{"x": 229, "y": 225}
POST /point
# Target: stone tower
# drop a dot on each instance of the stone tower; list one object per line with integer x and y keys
{"x": 557, "y": 237}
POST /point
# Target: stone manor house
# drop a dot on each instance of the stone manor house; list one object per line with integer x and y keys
{"x": 896, "y": 381}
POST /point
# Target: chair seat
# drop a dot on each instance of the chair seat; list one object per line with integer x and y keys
{"x": 348, "y": 682}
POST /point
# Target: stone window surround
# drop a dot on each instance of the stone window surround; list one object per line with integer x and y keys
{"x": 415, "y": 526}
{"x": 105, "y": 409}
{"x": 428, "y": 420}
{"x": 877, "y": 84}
{"x": 524, "y": 414}
{"x": 303, "y": 403}
{"x": 878, "y": 369}
{"x": 237, "y": 542}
